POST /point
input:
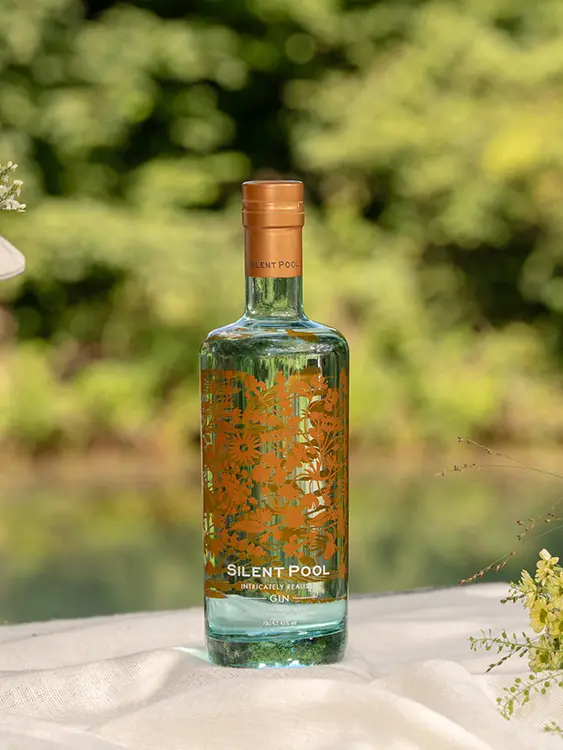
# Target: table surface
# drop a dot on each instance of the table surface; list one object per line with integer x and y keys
{"x": 142, "y": 681}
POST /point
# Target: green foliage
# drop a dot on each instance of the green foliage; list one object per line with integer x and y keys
{"x": 427, "y": 135}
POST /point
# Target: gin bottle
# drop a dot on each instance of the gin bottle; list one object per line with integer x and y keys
{"x": 274, "y": 434}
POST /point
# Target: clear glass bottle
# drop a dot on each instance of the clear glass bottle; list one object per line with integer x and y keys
{"x": 274, "y": 399}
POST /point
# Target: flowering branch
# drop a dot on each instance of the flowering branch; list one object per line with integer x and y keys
{"x": 542, "y": 595}
{"x": 10, "y": 189}
{"x": 526, "y": 527}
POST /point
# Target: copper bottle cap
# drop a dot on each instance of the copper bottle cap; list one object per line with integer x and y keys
{"x": 272, "y": 203}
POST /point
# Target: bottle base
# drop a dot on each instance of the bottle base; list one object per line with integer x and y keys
{"x": 295, "y": 652}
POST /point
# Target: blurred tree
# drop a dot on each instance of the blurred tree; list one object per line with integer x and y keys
{"x": 427, "y": 135}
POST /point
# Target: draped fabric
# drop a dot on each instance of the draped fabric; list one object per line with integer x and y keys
{"x": 142, "y": 681}
{"x": 12, "y": 261}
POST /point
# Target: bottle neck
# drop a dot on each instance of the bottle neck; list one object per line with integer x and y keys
{"x": 274, "y": 297}
{"x": 273, "y": 260}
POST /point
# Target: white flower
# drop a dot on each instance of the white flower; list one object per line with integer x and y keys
{"x": 10, "y": 190}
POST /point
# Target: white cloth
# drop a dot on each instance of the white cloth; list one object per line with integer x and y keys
{"x": 12, "y": 261}
{"x": 141, "y": 681}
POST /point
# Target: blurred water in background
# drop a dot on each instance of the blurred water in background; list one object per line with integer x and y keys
{"x": 70, "y": 550}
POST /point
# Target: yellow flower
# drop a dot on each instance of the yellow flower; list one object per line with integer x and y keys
{"x": 545, "y": 555}
{"x": 545, "y": 565}
{"x": 555, "y": 627}
{"x": 556, "y": 659}
{"x": 554, "y": 588}
{"x": 540, "y": 656}
{"x": 528, "y": 587}
{"x": 540, "y": 615}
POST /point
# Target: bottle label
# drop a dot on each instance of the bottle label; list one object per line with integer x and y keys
{"x": 275, "y": 485}
{"x": 275, "y": 252}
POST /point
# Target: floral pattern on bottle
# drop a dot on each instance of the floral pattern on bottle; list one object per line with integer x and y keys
{"x": 275, "y": 481}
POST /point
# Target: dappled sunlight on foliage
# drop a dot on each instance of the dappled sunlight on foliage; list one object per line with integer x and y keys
{"x": 427, "y": 136}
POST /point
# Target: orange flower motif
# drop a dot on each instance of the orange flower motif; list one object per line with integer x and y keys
{"x": 293, "y": 517}
{"x": 237, "y": 495}
{"x": 330, "y": 400}
{"x": 244, "y": 449}
{"x": 330, "y": 463}
{"x": 215, "y": 545}
{"x": 275, "y": 481}
{"x": 292, "y": 546}
{"x": 280, "y": 476}
{"x": 261, "y": 473}
{"x": 253, "y": 415}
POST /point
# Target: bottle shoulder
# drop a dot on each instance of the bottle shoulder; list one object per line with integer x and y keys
{"x": 302, "y": 335}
